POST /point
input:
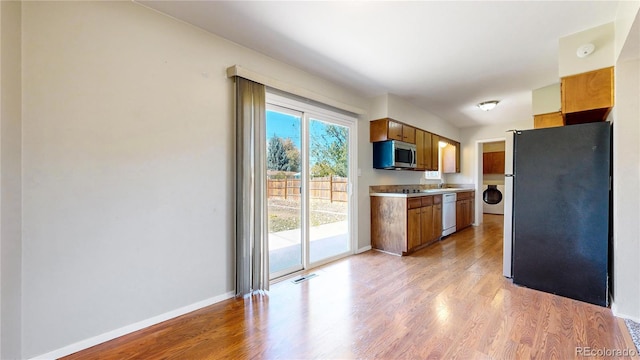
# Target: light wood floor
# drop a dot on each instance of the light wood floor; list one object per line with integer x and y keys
{"x": 446, "y": 301}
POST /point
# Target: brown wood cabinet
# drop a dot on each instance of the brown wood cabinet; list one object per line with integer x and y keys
{"x": 458, "y": 155}
{"x": 408, "y": 134}
{"x": 389, "y": 223}
{"x": 427, "y": 144}
{"x": 403, "y": 225}
{"x": 451, "y": 157}
{"x": 424, "y": 149}
{"x": 435, "y": 152}
{"x": 414, "y": 237}
{"x": 493, "y": 162}
{"x": 587, "y": 97}
{"x": 553, "y": 119}
{"x": 389, "y": 129}
{"x": 465, "y": 208}
{"x": 436, "y": 224}
{"x": 420, "y": 150}
{"x": 414, "y": 228}
{"x": 426, "y": 225}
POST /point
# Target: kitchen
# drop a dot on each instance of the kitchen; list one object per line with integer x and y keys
{"x": 70, "y": 167}
{"x": 404, "y": 219}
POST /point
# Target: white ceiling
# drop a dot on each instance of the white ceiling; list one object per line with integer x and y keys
{"x": 443, "y": 56}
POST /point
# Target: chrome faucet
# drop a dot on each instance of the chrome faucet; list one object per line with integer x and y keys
{"x": 441, "y": 185}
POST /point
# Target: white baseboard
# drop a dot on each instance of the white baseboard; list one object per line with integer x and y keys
{"x": 614, "y": 310}
{"x": 87, "y": 343}
{"x": 363, "y": 249}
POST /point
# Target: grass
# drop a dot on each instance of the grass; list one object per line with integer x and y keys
{"x": 285, "y": 214}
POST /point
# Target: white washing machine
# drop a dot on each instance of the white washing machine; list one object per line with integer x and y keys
{"x": 497, "y": 208}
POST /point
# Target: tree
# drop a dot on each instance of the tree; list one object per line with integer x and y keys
{"x": 282, "y": 155}
{"x": 329, "y": 149}
{"x": 276, "y": 155}
{"x": 293, "y": 155}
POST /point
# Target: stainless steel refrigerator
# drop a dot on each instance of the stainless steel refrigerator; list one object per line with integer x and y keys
{"x": 561, "y": 210}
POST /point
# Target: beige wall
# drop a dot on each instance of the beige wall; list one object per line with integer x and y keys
{"x": 10, "y": 181}
{"x": 469, "y": 138}
{"x": 406, "y": 112}
{"x": 546, "y": 99}
{"x": 626, "y": 185}
{"x": 128, "y": 167}
{"x": 603, "y": 37}
{"x": 626, "y": 17}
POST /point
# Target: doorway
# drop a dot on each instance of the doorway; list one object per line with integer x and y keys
{"x": 491, "y": 145}
{"x": 493, "y": 170}
{"x": 507, "y": 194}
{"x": 310, "y": 160}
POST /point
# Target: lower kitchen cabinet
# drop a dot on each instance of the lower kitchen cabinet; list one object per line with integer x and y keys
{"x": 414, "y": 228}
{"x": 465, "y": 209}
{"x": 403, "y": 225}
{"x": 437, "y": 217}
{"x": 426, "y": 224}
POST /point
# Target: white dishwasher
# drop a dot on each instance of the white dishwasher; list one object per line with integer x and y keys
{"x": 448, "y": 213}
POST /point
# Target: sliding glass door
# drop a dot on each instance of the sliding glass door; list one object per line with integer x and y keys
{"x": 284, "y": 200}
{"x": 328, "y": 189}
{"x": 309, "y": 181}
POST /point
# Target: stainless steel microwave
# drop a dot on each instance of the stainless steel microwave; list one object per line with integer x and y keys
{"x": 393, "y": 154}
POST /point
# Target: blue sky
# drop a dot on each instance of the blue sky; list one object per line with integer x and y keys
{"x": 288, "y": 126}
{"x": 284, "y": 126}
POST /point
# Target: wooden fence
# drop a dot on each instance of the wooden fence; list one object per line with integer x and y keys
{"x": 331, "y": 188}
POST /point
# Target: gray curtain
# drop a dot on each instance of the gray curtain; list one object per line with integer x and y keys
{"x": 252, "y": 253}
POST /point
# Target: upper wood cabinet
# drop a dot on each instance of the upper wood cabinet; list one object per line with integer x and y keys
{"x": 493, "y": 162}
{"x": 429, "y": 164}
{"x": 389, "y": 129}
{"x": 435, "y": 152}
{"x": 451, "y": 157}
{"x": 587, "y": 97}
{"x": 427, "y": 144}
{"x": 424, "y": 151}
{"x": 548, "y": 120}
{"x": 420, "y": 165}
{"x": 409, "y": 134}
{"x": 458, "y": 156}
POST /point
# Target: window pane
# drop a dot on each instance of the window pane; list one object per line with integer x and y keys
{"x": 283, "y": 191}
{"x": 328, "y": 190}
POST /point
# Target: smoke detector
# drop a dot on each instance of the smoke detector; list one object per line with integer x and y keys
{"x": 585, "y": 50}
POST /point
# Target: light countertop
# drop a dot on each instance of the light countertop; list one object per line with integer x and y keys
{"x": 422, "y": 193}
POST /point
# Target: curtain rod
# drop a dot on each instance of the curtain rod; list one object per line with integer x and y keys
{"x": 238, "y": 70}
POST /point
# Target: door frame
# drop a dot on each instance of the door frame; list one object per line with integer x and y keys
{"x": 478, "y": 175}
{"x": 507, "y": 226}
{"x": 310, "y": 108}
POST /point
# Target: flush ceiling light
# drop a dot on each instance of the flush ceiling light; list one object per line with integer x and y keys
{"x": 488, "y": 105}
